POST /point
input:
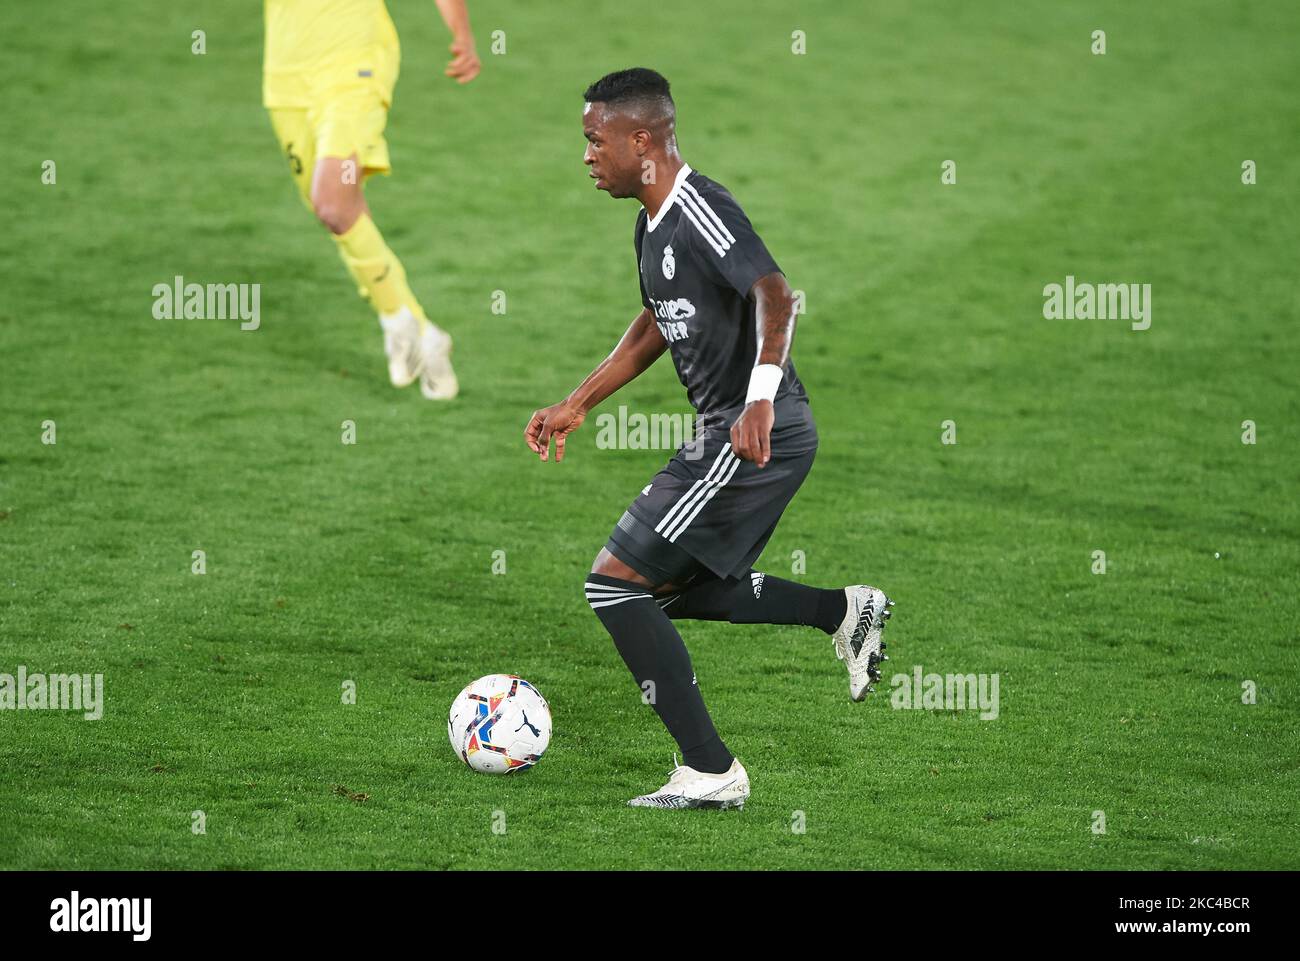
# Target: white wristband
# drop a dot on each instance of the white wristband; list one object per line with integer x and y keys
{"x": 763, "y": 383}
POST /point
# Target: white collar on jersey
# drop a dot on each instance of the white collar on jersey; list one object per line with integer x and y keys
{"x": 671, "y": 199}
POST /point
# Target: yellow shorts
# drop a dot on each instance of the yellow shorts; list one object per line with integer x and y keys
{"x": 339, "y": 123}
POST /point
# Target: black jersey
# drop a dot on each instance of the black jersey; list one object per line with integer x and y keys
{"x": 698, "y": 259}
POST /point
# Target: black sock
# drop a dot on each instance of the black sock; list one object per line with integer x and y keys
{"x": 653, "y": 651}
{"x": 755, "y": 598}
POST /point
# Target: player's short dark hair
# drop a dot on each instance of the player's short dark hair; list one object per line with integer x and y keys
{"x": 636, "y": 88}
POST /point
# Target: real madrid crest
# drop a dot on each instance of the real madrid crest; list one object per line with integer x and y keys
{"x": 670, "y": 265}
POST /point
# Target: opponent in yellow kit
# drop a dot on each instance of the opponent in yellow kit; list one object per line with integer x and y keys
{"x": 329, "y": 72}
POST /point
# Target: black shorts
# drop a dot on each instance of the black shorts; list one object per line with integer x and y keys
{"x": 715, "y": 511}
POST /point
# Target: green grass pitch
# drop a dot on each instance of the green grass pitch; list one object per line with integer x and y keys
{"x": 1120, "y": 692}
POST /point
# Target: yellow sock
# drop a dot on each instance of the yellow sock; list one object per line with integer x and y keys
{"x": 376, "y": 269}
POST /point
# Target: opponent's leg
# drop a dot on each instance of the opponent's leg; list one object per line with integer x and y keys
{"x": 350, "y": 136}
{"x": 339, "y": 202}
{"x": 331, "y": 188}
{"x": 298, "y": 144}
{"x": 654, "y": 652}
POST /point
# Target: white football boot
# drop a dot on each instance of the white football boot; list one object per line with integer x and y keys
{"x": 402, "y": 345}
{"x": 858, "y": 641}
{"x": 437, "y": 379}
{"x": 689, "y": 788}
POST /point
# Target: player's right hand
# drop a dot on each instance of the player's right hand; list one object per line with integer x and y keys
{"x": 558, "y": 421}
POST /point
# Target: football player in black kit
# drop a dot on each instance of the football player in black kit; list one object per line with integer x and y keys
{"x": 716, "y": 300}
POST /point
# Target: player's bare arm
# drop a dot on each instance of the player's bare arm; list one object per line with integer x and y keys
{"x": 751, "y": 434}
{"x": 639, "y": 347}
{"x": 465, "y": 64}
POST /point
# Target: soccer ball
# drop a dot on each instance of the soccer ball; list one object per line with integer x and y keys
{"x": 499, "y": 724}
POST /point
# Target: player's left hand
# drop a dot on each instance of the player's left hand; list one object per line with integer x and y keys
{"x": 465, "y": 64}
{"x": 751, "y": 434}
